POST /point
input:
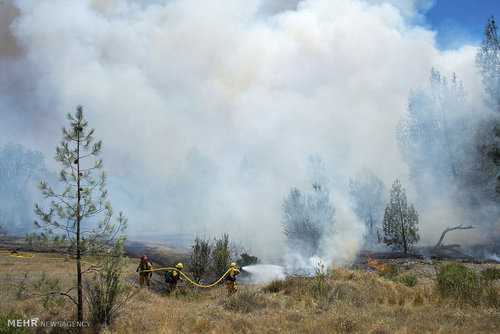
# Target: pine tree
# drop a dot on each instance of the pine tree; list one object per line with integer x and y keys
{"x": 301, "y": 231}
{"x": 367, "y": 194}
{"x": 400, "y": 221}
{"x": 306, "y": 220}
{"x": 488, "y": 62}
{"x": 20, "y": 170}
{"x": 79, "y": 218}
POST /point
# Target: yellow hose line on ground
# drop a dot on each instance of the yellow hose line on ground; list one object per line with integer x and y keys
{"x": 28, "y": 256}
{"x": 190, "y": 281}
{"x": 31, "y": 256}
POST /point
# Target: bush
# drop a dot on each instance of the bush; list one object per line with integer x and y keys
{"x": 408, "y": 279}
{"x": 11, "y": 330}
{"x": 275, "y": 285}
{"x": 492, "y": 296}
{"x": 318, "y": 285}
{"x": 105, "y": 292}
{"x": 221, "y": 254}
{"x": 456, "y": 281}
{"x": 247, "y": 260}
{"x": 389, "y": 272}
{"x": 490, "y": 274}
{"x": 200, "y": 258}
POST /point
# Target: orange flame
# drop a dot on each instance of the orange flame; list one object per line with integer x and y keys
{"x": 340, "y": 271}
{"x": 375, "y": 264}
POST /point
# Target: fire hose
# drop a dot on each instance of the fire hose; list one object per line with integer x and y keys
{"x": 31, "y": 256}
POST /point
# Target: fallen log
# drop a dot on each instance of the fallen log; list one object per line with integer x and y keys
{"x": 439, "y": 244}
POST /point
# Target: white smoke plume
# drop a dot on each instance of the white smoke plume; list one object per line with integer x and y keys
{"x": 208, "y": 110}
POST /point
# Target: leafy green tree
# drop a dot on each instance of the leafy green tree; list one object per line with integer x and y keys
{"x": 400, "y": 221}
{"x": 79, "y": 217}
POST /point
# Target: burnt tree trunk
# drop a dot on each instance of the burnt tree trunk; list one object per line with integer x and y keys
{"x": 439, "y": 244}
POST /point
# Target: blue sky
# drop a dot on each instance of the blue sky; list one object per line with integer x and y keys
{"x": 460, "y": 22}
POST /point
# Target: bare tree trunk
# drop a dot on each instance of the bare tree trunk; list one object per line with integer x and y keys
{"x": 78, "y": 246}
{"x": 448, "y": 229}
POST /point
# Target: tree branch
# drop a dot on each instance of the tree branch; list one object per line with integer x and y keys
{"x": 448, "y": 229}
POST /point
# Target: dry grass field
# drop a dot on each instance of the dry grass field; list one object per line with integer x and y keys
{"x": 343, "y": 301}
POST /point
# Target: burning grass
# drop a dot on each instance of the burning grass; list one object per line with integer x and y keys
{"x": 342, "y": 301}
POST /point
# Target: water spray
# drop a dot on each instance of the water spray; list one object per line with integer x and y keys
{"x": 263, "y": 273}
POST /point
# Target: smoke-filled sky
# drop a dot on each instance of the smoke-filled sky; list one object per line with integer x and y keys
{"x": 209, "y": 110}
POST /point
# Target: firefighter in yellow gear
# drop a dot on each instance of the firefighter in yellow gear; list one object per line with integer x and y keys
{"x": 232, "y": 287}
{"x": 174, "y": 278}
{"x": 145, "y": 271}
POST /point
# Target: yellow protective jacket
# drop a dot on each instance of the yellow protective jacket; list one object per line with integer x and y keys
{"x": 231, "y": 276}
{"x": 176, "y": 276}
{"x": 145, "y": 265}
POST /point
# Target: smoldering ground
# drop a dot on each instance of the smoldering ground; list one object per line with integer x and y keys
{"x": 209, "y": 110}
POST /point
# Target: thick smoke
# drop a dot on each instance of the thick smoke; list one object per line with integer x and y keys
{"x": 208, "y": 110}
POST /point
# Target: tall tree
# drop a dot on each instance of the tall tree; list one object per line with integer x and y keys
{"x": 20, "y": 168}
{"x": 302, "y": 234}
{"x": 488, "y": 62}
{"x": 308, "y": 219}
{"x": 400, "y": 221}
{"x": 79, "y": 217}
{"x": 367, "y": 195}
{"x": 434, "y": 134}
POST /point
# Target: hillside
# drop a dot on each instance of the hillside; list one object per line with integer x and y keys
{"x": 342, "y": 301}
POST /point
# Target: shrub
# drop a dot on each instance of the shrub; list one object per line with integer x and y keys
{"x": 408, "y": 279}
{"x": 490, "y": 274}
{"x": 492, "y": 296}
{"x": 11, "y": 330}
{"x": 221, "y": 254}
{"x": 389, "y": 272}
{"x": 456, "y": 281}
{"x": 247, "y": 260}
{"x": 106, "y": 294}
{"x": 275, "y": 285}
{"x": 200, "y": 258}
{"x": 319, "y": 286}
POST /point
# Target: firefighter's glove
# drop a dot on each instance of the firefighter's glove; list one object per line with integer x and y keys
{"x": 137, "y": 270}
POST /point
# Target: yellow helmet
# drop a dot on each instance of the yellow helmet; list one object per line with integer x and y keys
{"x": 179, "y": 266}
{"x": 233, "y": 265}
